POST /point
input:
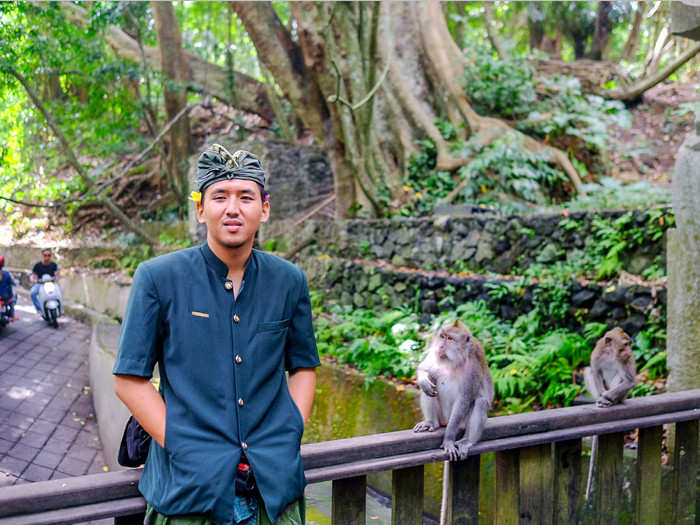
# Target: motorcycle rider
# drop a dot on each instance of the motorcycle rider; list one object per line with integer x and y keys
{"x": 43, "y": 267}
{"x": 6, "y": 293}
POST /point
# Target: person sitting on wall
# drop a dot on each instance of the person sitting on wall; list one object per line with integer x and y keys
{"x": 6, "y": 293}
{"x": 43, "y": 267}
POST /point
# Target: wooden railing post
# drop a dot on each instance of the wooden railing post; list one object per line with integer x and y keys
{"x": 685, "y": 471}
{"x": 507, "y": 487}
{"x": 567, "y": 482}
{"x": 536, "y": 484}
{"x": 349, "y": 501}
{"x": 463, "y": 492}
{"x": 648, "y": 489}
{"x": 608, "y": 484}
{"x": 407, "y": 496}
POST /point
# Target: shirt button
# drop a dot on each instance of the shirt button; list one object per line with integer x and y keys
{"x": 236, "y": 318}
{"x": 240, "y": 401}
{"x": 239, "y": 359}
{"x": 244, "y": 445}
{"x": 228, "y": 285}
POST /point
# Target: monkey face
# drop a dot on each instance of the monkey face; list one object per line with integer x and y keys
{"x": 617, "y": 342}
{"x": 453, "y": 343}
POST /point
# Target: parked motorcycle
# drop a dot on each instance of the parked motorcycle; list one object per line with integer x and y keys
{"x": 50, "y": 299}
{"x": 5, "y": 314}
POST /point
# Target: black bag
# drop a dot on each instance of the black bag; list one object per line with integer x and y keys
{"x": 133, "y": 450}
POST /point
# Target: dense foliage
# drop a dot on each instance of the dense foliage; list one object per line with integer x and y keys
{"x": 532, "y": 366}
{"x": 504, "y": 174}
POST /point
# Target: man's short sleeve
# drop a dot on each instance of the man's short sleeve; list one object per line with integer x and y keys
{"x": 139, "y": 340}
{"x": 36, "y": 269}
{"x": 300, "y": 350}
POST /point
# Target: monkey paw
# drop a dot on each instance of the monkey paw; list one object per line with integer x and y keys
{"x": 429, "y": 388}
{"x": 452, "y": 450}
{"x": 604, "y": 403}
{"x": 463, "y": 449}
{"x": 425, "y": 426}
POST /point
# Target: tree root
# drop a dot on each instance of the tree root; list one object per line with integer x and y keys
{"x": 446, "y": 61}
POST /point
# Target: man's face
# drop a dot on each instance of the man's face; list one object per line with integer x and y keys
{"x": 232, "y": 210}
{"x": 46, "y": 256}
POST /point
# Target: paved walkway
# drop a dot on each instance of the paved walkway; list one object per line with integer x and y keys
{"x": 48, "y": 429}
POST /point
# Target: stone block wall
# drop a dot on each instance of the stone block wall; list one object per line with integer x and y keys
{"x": 633, "y": 307}
{"x": 481, "y": 242}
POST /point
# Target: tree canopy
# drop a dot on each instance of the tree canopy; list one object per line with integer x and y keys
{"x": 414, "y": 104}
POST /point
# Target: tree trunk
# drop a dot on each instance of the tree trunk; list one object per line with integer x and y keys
{"x": 535, "y": 24}
{"x": 494, "y": 37}
{"x": 602, "y": 31}
{"x": 300, "y": 69}
{"x": 176, "y": 74}
{"x": 340, "y": 92}
{"x": 633, "y": 39}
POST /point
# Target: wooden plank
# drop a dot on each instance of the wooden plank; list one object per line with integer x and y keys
{"x": 463, "y": 493}
{"x": 648, "y": 484}
{"x": 348, "y": 504}
{"x": 68, "y": 492}
{"x": 608, "y": 479}
{"x": 507, "y": 487}
{"x": 407, "y": 496}
{"x": 358, "y": 468}
{"x": 567, "y": 482}
{"x": 685, "y": 471}
{"x": 536, "y": 484}
{"x": 317, "y": 455}
{"x": 82, "y": 514}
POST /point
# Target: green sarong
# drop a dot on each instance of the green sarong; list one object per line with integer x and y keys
{"x": 291, "y": 516}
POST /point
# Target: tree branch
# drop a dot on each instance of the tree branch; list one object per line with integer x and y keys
{"x": 207, "y": 77}
{"x": 640, "y": 87}
{"x": 73, "y": 161}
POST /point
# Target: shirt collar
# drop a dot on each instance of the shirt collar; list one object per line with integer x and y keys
{"x": 220, "y": 267}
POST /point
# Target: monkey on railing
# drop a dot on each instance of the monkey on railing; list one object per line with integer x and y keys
{"x": 610, "y": 377}
{"x": 456, "y": 392}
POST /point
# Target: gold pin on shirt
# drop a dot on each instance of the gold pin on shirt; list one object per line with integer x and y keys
{"x": 200, "y": 314}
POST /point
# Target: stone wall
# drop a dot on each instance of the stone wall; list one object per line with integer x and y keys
{"x": 633, "y": 307}
{"x": 481, "y": 242}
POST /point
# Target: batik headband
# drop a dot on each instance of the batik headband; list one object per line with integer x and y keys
{"x": 217, "y": 164}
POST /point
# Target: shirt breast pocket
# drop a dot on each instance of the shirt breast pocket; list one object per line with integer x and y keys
{"x": 272, "y": 326}
{"x": 269, "y": 341}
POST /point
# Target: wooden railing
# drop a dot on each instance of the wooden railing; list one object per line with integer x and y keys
{"x": 539, "y": 472}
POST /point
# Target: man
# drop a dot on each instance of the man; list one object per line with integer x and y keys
{"x": 43, "y": 267}
{"x": 6, "y": 293}
{"x": 223, "y": 322}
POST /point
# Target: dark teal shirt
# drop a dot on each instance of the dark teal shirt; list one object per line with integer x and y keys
{"x": 222, "y": 363}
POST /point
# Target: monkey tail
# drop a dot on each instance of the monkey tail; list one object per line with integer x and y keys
{"x": 445, "y": 506}
{"x": 591, "y": 467}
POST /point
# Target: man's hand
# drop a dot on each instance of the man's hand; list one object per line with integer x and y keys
{"x": 144, "y": 402}
{"x": 302, "y": 387}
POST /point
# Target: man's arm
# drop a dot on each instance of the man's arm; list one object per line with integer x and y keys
{"x": 144, "y": 402}
{"x": 302, "y": 387}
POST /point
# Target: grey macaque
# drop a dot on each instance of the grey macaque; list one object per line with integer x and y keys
{"x": 456, "y": 388}
{"x": 610, "y": 377}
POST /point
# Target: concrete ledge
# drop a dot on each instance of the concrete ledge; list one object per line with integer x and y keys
{"x": 111, "y": 412}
